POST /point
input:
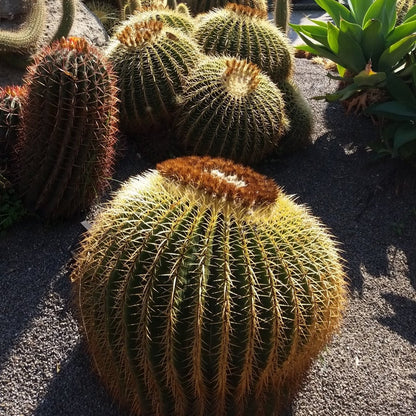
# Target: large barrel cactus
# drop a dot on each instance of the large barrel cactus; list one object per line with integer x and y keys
{"x": 230, "y": 109}
{"x": 243, "y": 32}
{"x": 68, "y": 125}
{"x": 204, "y": 290}
{"x": 202, "y": 6}
{"x": 150, "y": 59}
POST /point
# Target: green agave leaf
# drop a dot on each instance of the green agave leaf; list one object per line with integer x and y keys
{"x": 401, "y": 31}
{"x": 364, "y": 79}
{"x": 352, "y": 29}
{"x": 394, "y": 110}
{"x": 347, "y": 48}
{"x": 373, "y": 42}
{"x": 316, "y": 32}
{"x": 401, "y": 91}
{"x": 359, "y": 9}
{"x": 343, "y": 94}
{"x": 320, "y": 50}
{"x": 318, "y": 22}
{"x": 383, "y": 10}
{"x": 395, "y": 53}
{"x": 404, "y": 134}
{"x": 411, "y": 14}
{"x": 336, "y": 10}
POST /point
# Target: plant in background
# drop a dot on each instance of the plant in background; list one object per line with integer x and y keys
{"x": 245, "y": 33}
{"x": 67, "y": 129}
{"x": 230, "y": 109}
{"x": 11, "y": 207}
{"x": 150, "y": 59}
{"x": 398, "y": 118}
{"x": 204, "y": 290}
{"x": 282, "y": 11}
{"x": 364, "y": 41}
{"x": 403, "y": 7}
{"x": 16, "y": 46}
{"x": 202, "y": 6}
{"x": 106, "y": 12}
{"x": 10, "y": 109}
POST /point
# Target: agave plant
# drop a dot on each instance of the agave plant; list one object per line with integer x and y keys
{"x": 363, "y": 39}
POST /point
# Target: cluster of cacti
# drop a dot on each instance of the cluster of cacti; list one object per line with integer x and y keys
{"x": 10, "y": 108}
{"x": 230, "y": 109}
{"x": 204, "y": 290}
{"x": 245, "y": 33}
{"x": 150, "y": 59}
{"x": 402, "y": 7}
{"x": 67, "y": 129}
{"x": 198, "y": 6}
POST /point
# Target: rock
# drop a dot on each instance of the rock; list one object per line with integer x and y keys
{"x": 9, "y": 9}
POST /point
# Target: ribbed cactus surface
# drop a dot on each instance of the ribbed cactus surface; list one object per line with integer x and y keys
{"x": 230, "y": 109}
{"x": 68, "y": 124}
{"x": 243, "y": 32}
{"x": 202, "y": 6}
{"x": 204, "y": 290}
{"x": 10, "y": 108}
{"x": 150, "y": 59}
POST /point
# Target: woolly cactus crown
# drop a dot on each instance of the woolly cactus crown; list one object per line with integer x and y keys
{"x": 204, "y": 290}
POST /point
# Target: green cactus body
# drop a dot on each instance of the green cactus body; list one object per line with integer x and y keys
{"x": 68, "y": 126}
{"x": 243, "y": 32}
{"x": 26, "y": 38}
{"x": 402, "y": 7}
{"x": 230, "y": 109}
{"x": 107, "y": 13}
{"x": 150, "y": 60}
{"x": 198, "y": 6}
{"x": 282, "y": 11}
{"x": 300, "y": 116}
{"x": 10, "y": 108}
{"x": 204, "y": 290}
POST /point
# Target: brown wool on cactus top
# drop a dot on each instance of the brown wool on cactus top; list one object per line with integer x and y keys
{"x": 241, "y": 77}
{"x": 73, "y": 42}
{"x": 222, "y": 178}
{"x": 140, "y": 32}
{"x": 12, "y": 91}
{"x": 246, "y": 10}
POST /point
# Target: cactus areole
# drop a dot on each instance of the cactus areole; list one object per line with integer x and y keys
{"x": 204, "y": 290}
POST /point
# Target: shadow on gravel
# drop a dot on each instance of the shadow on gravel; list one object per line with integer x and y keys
{"x": 403, "y": 320}
{"x": 73, "y": 387}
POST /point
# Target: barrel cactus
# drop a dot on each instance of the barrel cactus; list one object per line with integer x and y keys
{"x": 198, "y": 6}
{"x": 230, "y": 109}
{"x": 10, "y": 108}
{"x": 169, "y": 17}
{"x": 244, "y": 32}
{"x": 150, "y": 59}
{"x": 204, "y": 290}
{"x": 300, "y": 117}
{"x": 68, "y": 125}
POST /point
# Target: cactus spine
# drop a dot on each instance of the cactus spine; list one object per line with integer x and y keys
{"x": 204, "y": 290}
{"x": 230, "y": 109}
{"x": 66, "y": 147}
{"x": 244, "y": 32}
{"x": 150, "y": 60}
{"x": 402, "y": 7}
{"x": 10, "y": 109}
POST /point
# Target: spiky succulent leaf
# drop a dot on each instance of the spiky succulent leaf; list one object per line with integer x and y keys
{"x": 204, "y": 290}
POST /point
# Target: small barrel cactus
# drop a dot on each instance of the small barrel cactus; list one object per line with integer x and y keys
{"x": 300, "y": 118}
{"x": 204, "y": 290}
{"x": 150, "y": 59}
{"x": 244, "y": 32}
{"x": 10, "y": 108}
{"x": 68, "y": 125}
{"x": 169, "y": 17}
{"x": 230, "y": 109}
{"x": 202, "y": 6}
